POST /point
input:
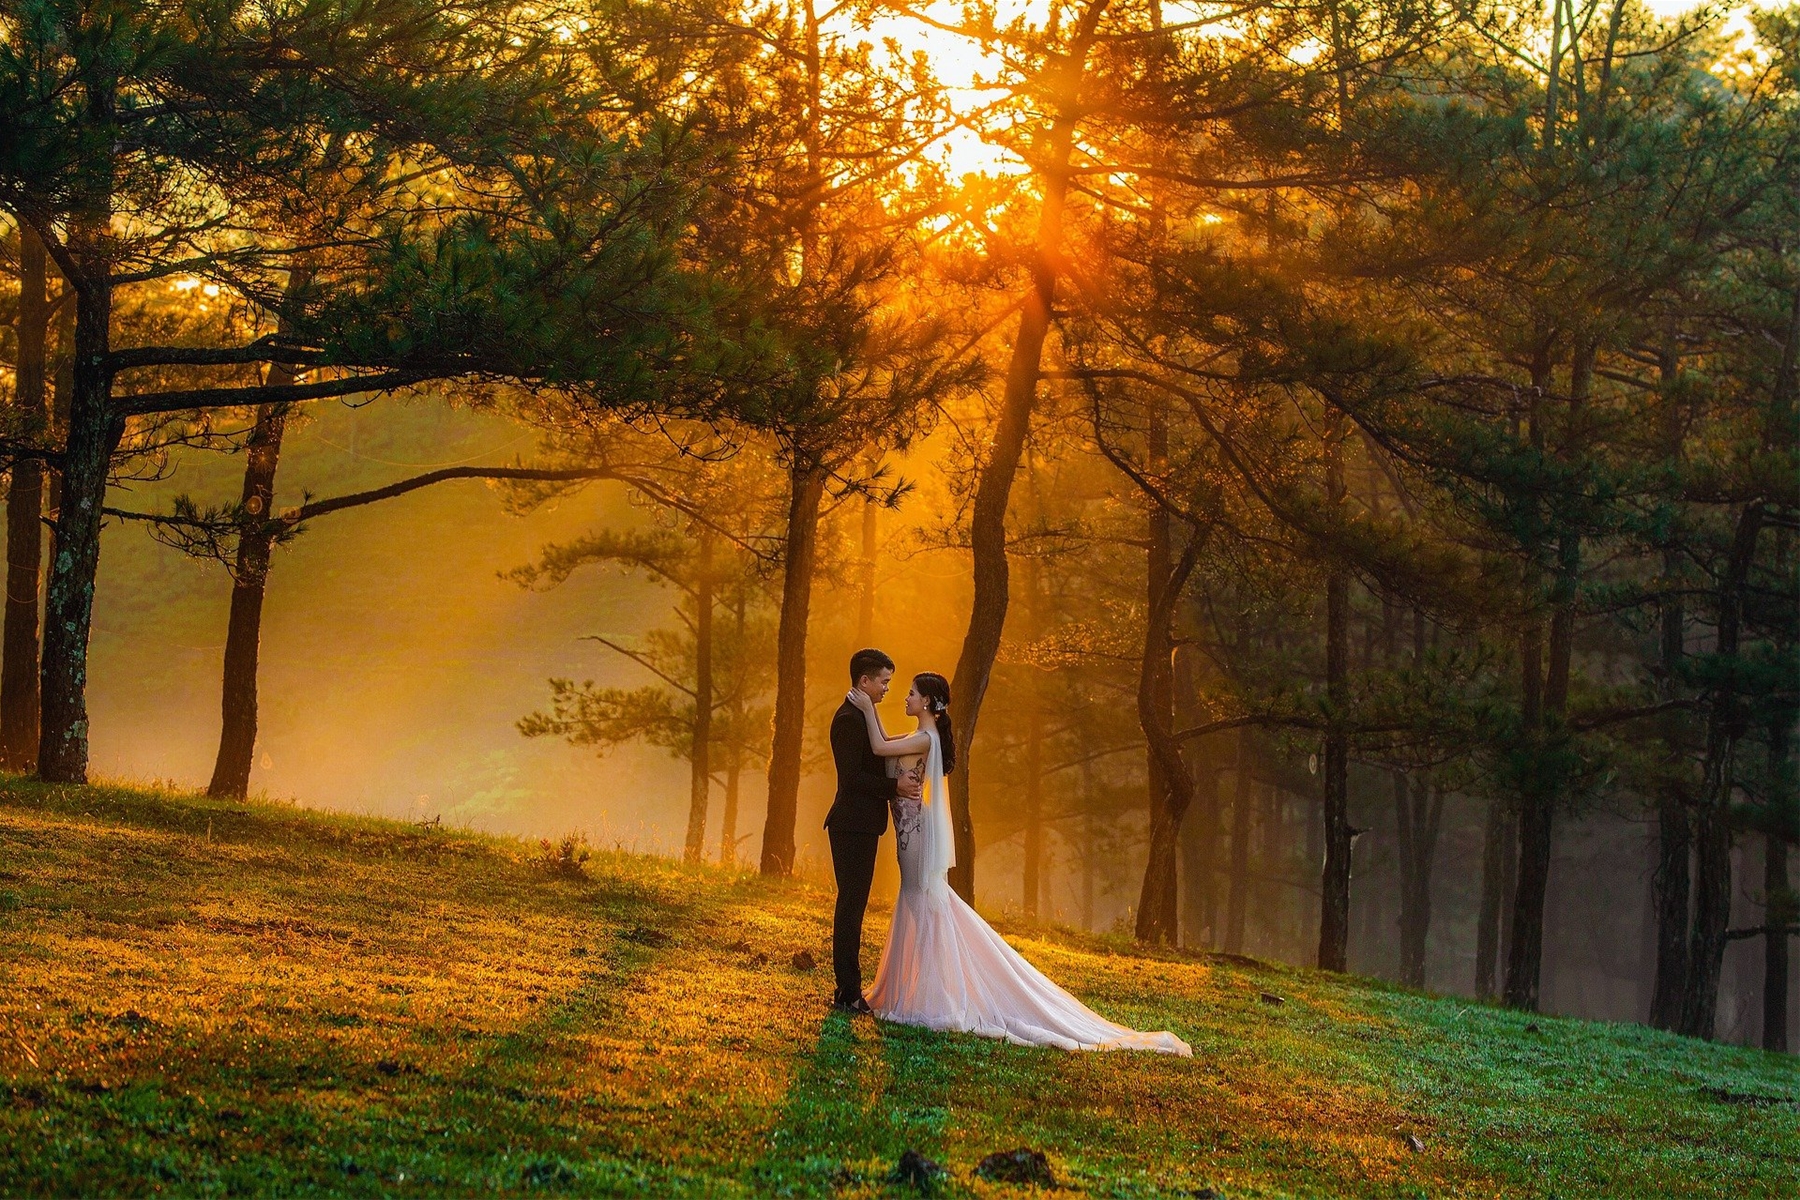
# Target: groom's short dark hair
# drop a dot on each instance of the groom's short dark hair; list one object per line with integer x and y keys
{"x": 868, "y": 662}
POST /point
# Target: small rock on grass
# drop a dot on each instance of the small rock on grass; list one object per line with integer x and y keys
{"x": 915, "y": 1169}
{"x": 1017, "y": 1166}
{"x": 1272, "y": 998}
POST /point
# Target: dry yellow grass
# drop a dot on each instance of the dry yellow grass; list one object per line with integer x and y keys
{"x": 209, "y": 998}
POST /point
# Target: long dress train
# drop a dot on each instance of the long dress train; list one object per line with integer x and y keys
{"x": 945, "y": 968}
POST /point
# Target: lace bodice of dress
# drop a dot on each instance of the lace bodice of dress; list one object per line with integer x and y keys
{"x": 908, "y": 812}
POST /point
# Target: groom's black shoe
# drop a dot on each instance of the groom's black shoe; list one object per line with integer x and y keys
{"x": 856, "y": 1005}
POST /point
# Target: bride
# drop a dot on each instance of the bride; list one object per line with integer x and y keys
{"x": 943, "y": 966}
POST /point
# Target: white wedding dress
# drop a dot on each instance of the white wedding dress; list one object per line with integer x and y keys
{"x": 945, "y": 968}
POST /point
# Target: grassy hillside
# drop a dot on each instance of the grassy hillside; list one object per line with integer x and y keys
{"x": 205, "y": 998}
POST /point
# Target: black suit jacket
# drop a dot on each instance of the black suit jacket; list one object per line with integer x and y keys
{"x": 863, "y": 784}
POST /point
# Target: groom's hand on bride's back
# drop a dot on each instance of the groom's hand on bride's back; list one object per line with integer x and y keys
{"x": 908, "y": 785}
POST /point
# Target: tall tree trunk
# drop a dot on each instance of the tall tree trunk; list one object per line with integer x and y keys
{"x": 734, "y": 771}
{"x": 1404, "y": 834}
{"x": 734, "y": 754}
{"x": 1243, "y": 796}
{"x": 1670, "y": 882}
{"x": 1669, "y": 894}
{"x": 24, "y": 523}
{"x": 1782, "y": 903}
{"x": 1419, "y": 815}
{"x": 1778, "y": 919}
{"x": 1200, "y": 833}
{"x": 1712, "y": 858}
{"x": 61, "y": 404}
{"x": 94, "y": 433}
{"x": 700, "y": 761}
{"x": 249, "y": 583}
{"x": 1525, "y": 948}
{"x": 1334, "y": 881}
{"x": 1496, "y": 853}
{"x": 1334, "y": 878}
{"x": 1090, "y": 845}
{"x": 1423, "y": 817}
{"x": 24, "y": 564}
{"x": 987, "y": 520}
{"x": 1031, "y": 884}
{"x": 1312, "y": 818}
{"x": 1272, "y": 899}
{"x": 806, "y": 490}
{"x": 1712, "y": 911}
{"x": 1168, "y": 777}
{"x": 1500, "y": 860}
{"x": 250, "y": 580}
{"x": 1199, "y": 842}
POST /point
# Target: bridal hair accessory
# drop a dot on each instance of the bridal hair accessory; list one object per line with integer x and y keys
{"x": 935, "y": 690}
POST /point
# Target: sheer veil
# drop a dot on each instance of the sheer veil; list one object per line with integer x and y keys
{"x": 940, "y": 841}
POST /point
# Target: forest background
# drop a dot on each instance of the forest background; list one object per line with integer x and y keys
{"x": 1364, "y": 439}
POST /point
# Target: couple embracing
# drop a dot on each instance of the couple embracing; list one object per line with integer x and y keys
{"x": 943, "y": 967}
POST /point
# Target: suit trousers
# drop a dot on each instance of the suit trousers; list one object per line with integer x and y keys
{"x": 853, "y": 863}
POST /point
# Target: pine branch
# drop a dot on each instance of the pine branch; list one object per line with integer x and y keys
{"x": 270, "y": 348}
{"x": 319, "y": 508}
{"x": 643, "y": 661}
{"x": 1616, "y": 715}
{"x": 146, "y": 403}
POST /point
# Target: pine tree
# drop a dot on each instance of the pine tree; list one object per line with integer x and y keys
{"x": 546, "y": 255}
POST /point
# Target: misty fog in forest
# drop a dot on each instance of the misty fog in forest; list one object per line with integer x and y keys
{"x": 396, "y": 663}
{"x": 1344, "y": 459}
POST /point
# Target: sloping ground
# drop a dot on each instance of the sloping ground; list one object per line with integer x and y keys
{"x": 204, "y": 998}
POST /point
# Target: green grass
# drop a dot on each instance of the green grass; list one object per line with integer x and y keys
{"x": 205, "y": 998}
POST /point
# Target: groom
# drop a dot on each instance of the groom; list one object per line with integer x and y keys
{"x": 858, "y": 818}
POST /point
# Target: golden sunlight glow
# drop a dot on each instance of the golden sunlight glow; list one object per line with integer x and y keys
{"x": 975, "y": 77}
{"x": 972, "y": 76}
{"x": 195, "y": 291}
{"x": 1307, "y": 52}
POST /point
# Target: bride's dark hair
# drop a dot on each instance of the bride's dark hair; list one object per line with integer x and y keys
{"x": 936, "y": 690}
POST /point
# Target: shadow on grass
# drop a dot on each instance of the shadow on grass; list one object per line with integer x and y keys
{"x": 867, "y": 1093}
{"x": 281, "y": 1079}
